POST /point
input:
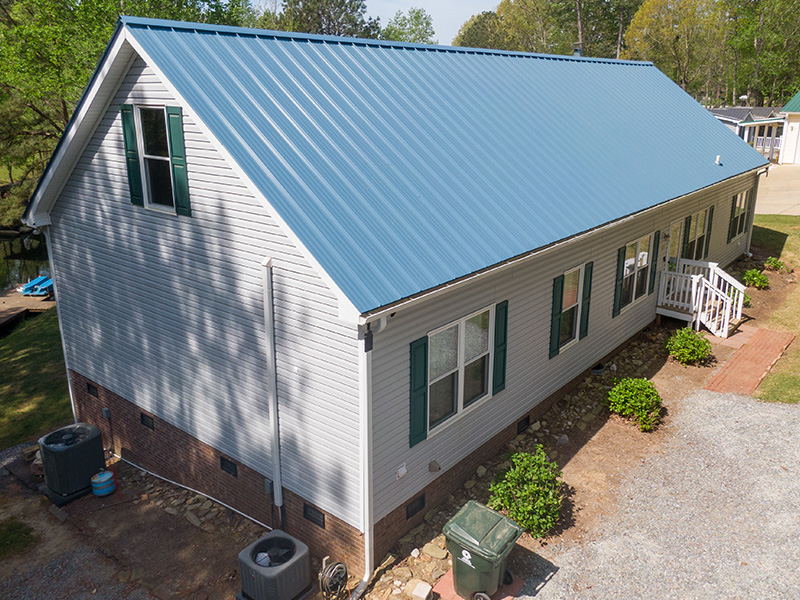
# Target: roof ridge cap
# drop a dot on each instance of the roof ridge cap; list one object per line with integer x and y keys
{"x": 312, "y": 37}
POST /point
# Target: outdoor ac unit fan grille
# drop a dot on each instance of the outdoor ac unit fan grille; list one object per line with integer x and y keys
{"x": 284, "y": 579}
{"x": 70, "y": 457}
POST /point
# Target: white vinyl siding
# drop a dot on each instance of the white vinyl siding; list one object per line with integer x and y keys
{"x": 168, "y": 313}
{"x": 531, "y": 376}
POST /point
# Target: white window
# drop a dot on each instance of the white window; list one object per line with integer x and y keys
{"x": 694, "y": 247}
{"x": 636, "y": 270}
{"x": 570, "y": 306}
{"x": 459, "y": 365}
{"x": 738, "y": 214}
{"x": 155, "y": 157}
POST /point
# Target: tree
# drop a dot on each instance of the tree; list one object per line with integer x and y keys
{"x": 537, "y": 25}
{"x": 482, "y": 31}
{"x": 48, "y": 51}
{"x": 679, "y": 36}
{"x": 416, "y": 26}
{"x": 330, "y": 17}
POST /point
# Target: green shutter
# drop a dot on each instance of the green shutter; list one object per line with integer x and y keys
{"x": 500, "y": 337}
{"x": 418, "y": 421}
{"x": 177, "y": 149}
{"x": 555, "y": 323}
{"x": 730, "y": 222}
{"x": 131, "y": 154}
{"x": 708, "y": 231}
{"x": 687, "y": 225}
{"x": 654, "y": 262}
{"x": 585, "y": 299}
{"x": 618, "y": 282}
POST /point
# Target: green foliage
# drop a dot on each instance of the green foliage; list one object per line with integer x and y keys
{"x": 330, "y": 17}
{"x": 689, "y": 347}
{"x": 747, "y": 301}
{"x": 529, "y": 492}
{"x": 755, "y": 278}
{"x": 33, "y": 384}
{"x": 15, "y": 537}
{"x": 773, "y": 264}
{"x": 481, "y": 31}
{"x": 638, "y": 399}
{"x": 416, "y": 27}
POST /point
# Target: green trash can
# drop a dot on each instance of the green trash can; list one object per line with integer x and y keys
{"x": 480, "y": 541}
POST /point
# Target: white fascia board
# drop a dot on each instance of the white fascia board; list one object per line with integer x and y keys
{"x": 348, "y": 313}
{"x": 77, "y": 135}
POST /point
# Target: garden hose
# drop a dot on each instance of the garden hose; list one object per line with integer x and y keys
{"x": 333, "y": 580}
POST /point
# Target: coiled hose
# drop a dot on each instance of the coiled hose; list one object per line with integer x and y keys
{"x": 333, "y": 580}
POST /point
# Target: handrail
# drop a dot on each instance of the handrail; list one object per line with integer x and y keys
{"x": 714, "y": 309}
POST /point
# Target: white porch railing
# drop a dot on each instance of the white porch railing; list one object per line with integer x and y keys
{"x": 701, "y": 292}
{"x": 678, "y": 291}
{"x": 714, "y": 309}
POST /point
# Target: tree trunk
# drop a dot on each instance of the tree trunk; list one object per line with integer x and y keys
{"x": 580, "y": 24}
{"x": 620, "y": 31}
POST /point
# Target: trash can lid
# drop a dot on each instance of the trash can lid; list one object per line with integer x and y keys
{"x": 482, "y": 531}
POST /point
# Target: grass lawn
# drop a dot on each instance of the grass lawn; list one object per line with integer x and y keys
{"x": 15, "y": 537}
{"x": 33, "y": 383}
{"x": 781, "y": 236}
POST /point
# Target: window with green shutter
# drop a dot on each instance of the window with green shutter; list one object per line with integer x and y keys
{"x": 570, "y": 308}
{"x": 455, "y": 367}
{"x": 636, "y": 260}
{"x": 740, "y": 209}
{"x": 156, "y": 157}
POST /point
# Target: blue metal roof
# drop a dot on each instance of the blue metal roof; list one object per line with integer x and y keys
{"x": 402, "y": 166}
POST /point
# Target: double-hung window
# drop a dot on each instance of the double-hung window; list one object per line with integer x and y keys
{"x": 697, "y": 234}
{"x": 458, "y": 366}
{"x": 156, "y": 157}
{"x": 740, "y": 207}
{"x": 570, "y": 315}
{"x": 455, "y": 366}
{"x": 636, "y": 270}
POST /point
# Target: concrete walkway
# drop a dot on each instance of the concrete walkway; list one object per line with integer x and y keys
{"x": 779, "y": 191}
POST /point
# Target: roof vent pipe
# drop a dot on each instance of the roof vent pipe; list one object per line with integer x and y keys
{"x": 718, "y": 161}
{"x": 577, "y": 49}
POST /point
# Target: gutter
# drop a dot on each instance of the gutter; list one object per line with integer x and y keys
{"x": 46, "y": 231}
{"x": 269, "y": 330}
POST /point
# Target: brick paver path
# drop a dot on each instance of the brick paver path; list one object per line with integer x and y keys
{"x": 749, "y": 365}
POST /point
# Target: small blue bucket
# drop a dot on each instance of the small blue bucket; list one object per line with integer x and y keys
{"x": 103, "y": 483}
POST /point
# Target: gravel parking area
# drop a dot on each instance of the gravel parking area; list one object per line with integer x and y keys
{"x": 715, "y": 515}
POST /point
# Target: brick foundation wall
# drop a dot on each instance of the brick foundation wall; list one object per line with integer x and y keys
{"x": 173, "y": 454}
{"x": 394, "y": 525}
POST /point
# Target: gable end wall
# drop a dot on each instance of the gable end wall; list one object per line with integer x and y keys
{"x": 167, "y": 312}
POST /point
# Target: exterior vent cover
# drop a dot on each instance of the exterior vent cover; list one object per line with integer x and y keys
{"x": 276, "y": 567}
{"x": 70, "y": 457}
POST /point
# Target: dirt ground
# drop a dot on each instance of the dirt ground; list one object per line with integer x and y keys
{"x": 142, "y": 544}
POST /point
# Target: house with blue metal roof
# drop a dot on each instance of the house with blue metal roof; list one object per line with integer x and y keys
{"x": 320, "y": 279}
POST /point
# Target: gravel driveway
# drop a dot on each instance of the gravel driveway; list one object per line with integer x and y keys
{"x": 716, "y": 515}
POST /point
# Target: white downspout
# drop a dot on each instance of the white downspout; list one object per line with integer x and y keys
{"x": 269, "y": 329}
{"x": 365, "y": 419}
{"x": 46, "y": 231}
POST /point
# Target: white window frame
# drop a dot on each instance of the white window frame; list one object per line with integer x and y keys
{"x": 460, "y": 408}
{"x": 579, "y": 304}
{"x": 148, "y": 202}
{"x": 650, "y": 264}
{"x": 742, "y": 217}
{"x": 695, "y": 218}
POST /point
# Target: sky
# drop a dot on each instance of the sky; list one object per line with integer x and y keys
{"x": 448, "y": 15}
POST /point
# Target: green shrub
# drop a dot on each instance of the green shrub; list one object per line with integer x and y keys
{"x": 689, "y": 347}
{"x": 636, "y": 398}
{"x": 747, "y": 301}
{"x": 773, "y": 264}
{"x": 755, "y": 278}
{"x": 529, "y": 492}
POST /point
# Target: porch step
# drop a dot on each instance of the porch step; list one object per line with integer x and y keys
{"x": 675, "y": 313}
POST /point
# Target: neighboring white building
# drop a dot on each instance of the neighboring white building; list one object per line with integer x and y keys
{"x": 790, "y": 154}
{"x": 761, "y": 127}
{"x": 322, "y": 279}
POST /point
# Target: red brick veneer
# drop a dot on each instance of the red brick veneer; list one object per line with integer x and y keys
{"x": 172, "y": 453}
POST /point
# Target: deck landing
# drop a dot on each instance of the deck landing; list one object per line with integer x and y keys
{"x": 14, "y": 305}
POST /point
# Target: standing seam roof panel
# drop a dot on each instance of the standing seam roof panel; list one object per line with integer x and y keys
{"x": 402, "y": 167}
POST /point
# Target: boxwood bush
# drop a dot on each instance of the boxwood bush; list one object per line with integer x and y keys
{"x": 529, "y": 492}
{"x": 689, "y": 347}
{"x": 637, "y": 399}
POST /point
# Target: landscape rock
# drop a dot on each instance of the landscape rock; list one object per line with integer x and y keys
{"x": 192, "y": 518}
{"x": 469, "y": 484}
{"x": 562, "y": 440}
{"x": 480, "y": 471}
{"x": 434, "y": 551}
{"x": 415, "y": 553}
